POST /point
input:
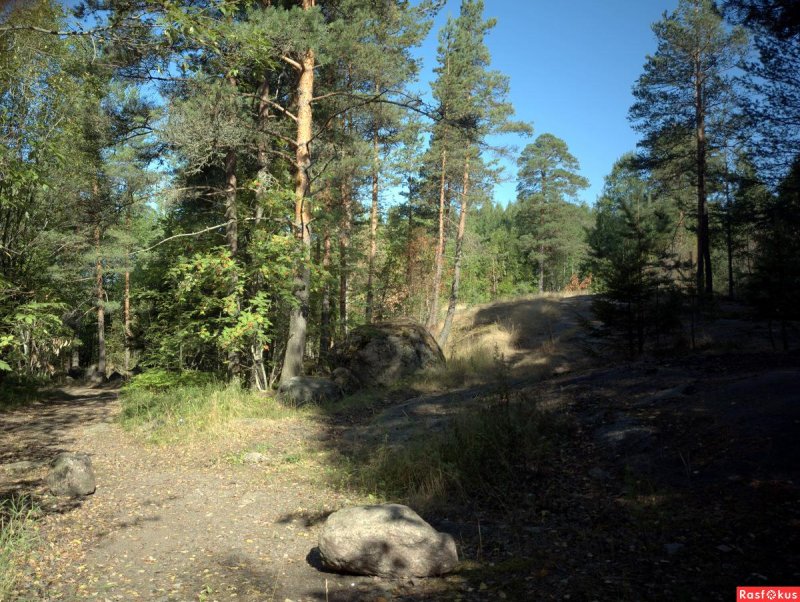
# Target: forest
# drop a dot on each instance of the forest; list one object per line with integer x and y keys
{"x": 202, "y": 186}
{"x": 214, "y": 195}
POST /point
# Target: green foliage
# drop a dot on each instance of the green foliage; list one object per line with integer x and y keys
{"x": 184, "y": 412}
{"x": 31, "y": 338}
{"x": 158, "y": 379}
{"x": 550, "y": 229}
{"x": 774, "y": 287}
{"x": 199, "y": 318}
{"x": 632, "y": 260}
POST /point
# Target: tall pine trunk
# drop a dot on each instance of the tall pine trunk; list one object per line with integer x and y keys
{"x": 298, "y": 319}
{"x": 344, "y": 249}
{"x": 126, "y": 305}
{"x": 433, "y": 313}
{"x": 101, "y": 305}
{"x": 232, "y": 240}
{"x": 462, "y": 225}
{"x": 325, "y": 311}
{"x": 373, "y": 228}
{"x": 704, "y": 277}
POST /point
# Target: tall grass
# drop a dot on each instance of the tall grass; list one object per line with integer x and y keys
{"x": 182, "y": 413}
{"x": 17, "y": 538}
{"x": 483, "y": 454}
{"x": 476, "y": 364}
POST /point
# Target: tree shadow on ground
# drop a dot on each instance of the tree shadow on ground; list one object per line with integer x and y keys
{"x": 679, "y": 482}
{"x": 33, "y": 434}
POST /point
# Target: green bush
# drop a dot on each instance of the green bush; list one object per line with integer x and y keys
{"x": 159, "y": 379}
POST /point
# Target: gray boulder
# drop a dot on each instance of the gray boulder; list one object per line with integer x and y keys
{"x": 387, "y": 540}
{"x": 345, "y": 379}
{"x": 384, "y": 353}
{"x": 308, "y": 389}
{"x": 71, "y": 475}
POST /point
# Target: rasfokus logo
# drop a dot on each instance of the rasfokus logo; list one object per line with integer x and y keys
{"x": 776, "y": 592}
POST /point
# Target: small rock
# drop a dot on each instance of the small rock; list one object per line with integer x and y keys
{"x": 724, "y": 549}
{"x": 71, "y": 475}
{"x": 254, "y": 458}
{"x": 673, "y": 548}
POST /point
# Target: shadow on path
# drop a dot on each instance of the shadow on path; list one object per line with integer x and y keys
{"x": 32, "y": 435}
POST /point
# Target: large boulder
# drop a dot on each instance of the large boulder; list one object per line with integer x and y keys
{"x": 383, "y": 353}
{"x": 387, "y": 540}
{"x": 309, "y": 389}
{"x": 71, "y": 475}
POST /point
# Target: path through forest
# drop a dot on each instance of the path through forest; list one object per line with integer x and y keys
{"x": 676, "y": 477}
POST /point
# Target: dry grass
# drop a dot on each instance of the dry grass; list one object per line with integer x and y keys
{"x": 523, "y": 337}
{"x": 17, "y": 539}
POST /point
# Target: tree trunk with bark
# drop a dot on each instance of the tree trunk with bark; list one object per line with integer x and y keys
{"x": 433, "y": 313}
{"x": 373, "y": 228}
{"x": 704, "y": 277}
{"x": 298, "y": 319}
{"x": 232, "y": 241}
{"x": 344, "y": 249}
{"x": 325, "y": 311}
{"x": 462, "y": 226}
{"x": 101, "y": 305}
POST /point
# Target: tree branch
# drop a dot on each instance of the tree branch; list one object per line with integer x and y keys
{"x": 292, "y": 62}
{"x": 54, "y": 32}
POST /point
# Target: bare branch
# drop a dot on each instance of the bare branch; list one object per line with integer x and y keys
{"x": 292, "y": 62}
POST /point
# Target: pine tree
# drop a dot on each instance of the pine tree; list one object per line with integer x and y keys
{"x": 548, "y": 176}
{"x": 677, "y": 97}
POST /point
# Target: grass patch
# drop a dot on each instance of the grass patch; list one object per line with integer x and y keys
{"x": 17, "y": 539}
{"x": 484, "y": 454}
{"x": 182, "y": 413}
{"x": 476, "y": 365}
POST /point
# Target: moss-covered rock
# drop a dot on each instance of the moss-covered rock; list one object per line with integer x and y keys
{"x": 382, "y": 354}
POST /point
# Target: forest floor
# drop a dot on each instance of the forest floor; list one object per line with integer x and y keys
{"x": 678, "y": 479}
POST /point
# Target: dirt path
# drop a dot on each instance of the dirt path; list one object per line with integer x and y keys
{"x": 188, "y": 523}
{"x": 679, "y": 480}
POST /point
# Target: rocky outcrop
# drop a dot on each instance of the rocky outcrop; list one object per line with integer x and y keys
{"x": 382, "y": 354}
{"x": 71, "y": 474}
{"x": 388, "y": 540}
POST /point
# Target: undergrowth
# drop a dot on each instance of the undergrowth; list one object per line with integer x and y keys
{"x": 16, "y": 392}
{"x": 180, "y": 412}
{"x": 482, "y": 455}
{"x": 17, "y": 538}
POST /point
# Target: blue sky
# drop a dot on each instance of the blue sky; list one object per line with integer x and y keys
{"x": 572, "y": 65}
